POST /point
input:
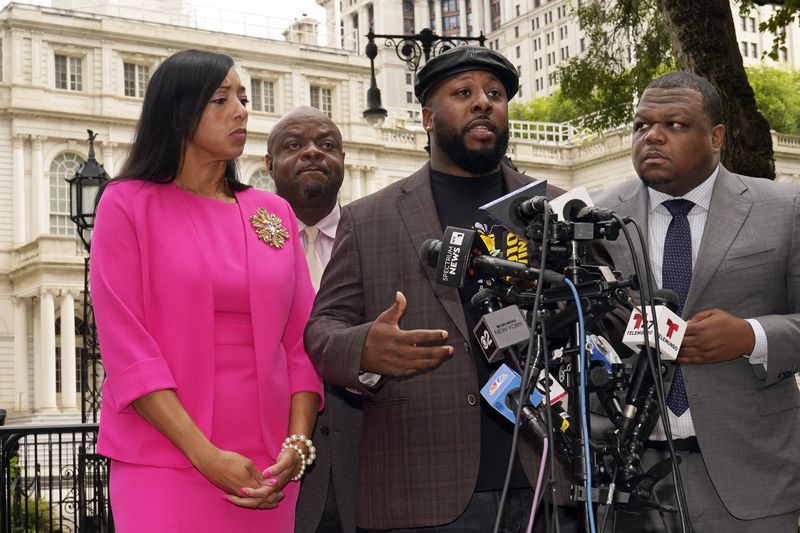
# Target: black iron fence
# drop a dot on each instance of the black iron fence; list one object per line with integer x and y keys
{"x": 53, "y": 480}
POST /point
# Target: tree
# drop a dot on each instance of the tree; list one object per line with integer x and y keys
{"x": 553, "y": 108}
{"x": 778, "y": 97}
{"x": 633, "y": 41}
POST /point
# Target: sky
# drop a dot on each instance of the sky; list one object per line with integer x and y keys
{"x": 285, "y": 9}
{"x": 254, "y": 18}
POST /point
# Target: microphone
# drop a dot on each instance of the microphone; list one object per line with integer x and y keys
{"x": 605, "y": 374}
{"x": 577, "y": 206}
{"x": 500, "y": 330}
{"x": 506, "y": 210}
{"x": 502, "y": 392}
{"x": 591, "y": 214}
{"x": 454, "y": 258}
{"x": 671, "y": 329}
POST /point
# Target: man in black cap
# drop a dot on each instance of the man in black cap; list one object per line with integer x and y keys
{"x": 433, "y": 455}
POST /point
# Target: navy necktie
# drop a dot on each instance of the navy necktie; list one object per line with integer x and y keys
{"x": 676, "y": 275}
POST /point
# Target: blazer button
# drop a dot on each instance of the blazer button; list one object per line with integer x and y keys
{"x": 324, "y": 430}
{"x": 471, "y": 399}
{"x": 466, "y": 346}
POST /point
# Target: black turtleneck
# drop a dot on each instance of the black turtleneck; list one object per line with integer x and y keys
{"x": 457, "y": 201}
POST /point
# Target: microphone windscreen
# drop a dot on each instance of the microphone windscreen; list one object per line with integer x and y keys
{"x": 669, "y": 298}
{"x": 429, "y": 252}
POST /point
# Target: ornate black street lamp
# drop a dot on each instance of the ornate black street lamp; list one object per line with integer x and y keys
{"x": 411, "y": 49}
{"x": 83, "y": 189}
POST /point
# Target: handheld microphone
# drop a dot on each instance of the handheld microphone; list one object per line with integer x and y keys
{"x": 502, "y": 392}
{"x": 577, "y": 206}
{"x": 500, "y": 330}
{"x": 671, "y": 329}
{"x": 605, "y": 375}
{"x": 508, "y": 211}
{"x": 454, "y": 258}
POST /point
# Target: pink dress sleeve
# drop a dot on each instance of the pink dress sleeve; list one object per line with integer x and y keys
{"x": 133, "y": 362}
{"x": 302, "y": 375}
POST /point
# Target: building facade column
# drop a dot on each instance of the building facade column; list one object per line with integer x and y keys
{"x": 462, "y": 17}
{"x": 108, "y": 155}
{"x": 44, "y": 365}
{"x": 437, "y": 9}
{"x": 69, "y": 402}
{"x": 20, "y": 355}
{"x": 40, "y": 196}
{"x": 300, "y": 94}
{"x": 357, "y": 189}
{"x": 18, "y": 192}
{"x": 372, "y": 179}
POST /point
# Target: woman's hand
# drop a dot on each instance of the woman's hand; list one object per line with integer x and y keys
{"x": 238, "y": 476}
{"x": 229, "y": 470}
{"x": 278, "y": 475}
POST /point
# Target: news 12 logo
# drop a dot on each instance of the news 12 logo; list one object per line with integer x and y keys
{"x": 672, "y": 327}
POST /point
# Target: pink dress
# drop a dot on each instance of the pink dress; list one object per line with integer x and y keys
{"x": 175, "y": 500}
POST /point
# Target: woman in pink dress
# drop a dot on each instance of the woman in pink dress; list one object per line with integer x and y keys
{"x": 201, "y": 293}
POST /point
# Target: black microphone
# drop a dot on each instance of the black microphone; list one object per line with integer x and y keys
{"x": 459, "y": 260}
{"x": 591, "y": 214}
{"x": 532, "y": 207}
{"x": 642, "y": 378}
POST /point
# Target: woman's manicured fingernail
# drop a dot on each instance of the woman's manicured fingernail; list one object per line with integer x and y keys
{"x": 245, "y": 491}
{"x": 272, "y": 481}
{"x": 266, "y": 473}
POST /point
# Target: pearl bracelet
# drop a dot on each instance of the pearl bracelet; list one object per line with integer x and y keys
{"x": 302, "y": 439}
{"x": 296, "y": 448}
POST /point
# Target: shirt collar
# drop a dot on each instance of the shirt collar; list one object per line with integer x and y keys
{"x": 326, "y": 226}
{"x": 700, "y": 195}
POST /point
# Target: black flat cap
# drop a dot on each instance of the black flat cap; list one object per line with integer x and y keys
{"x": 462, "y": 59}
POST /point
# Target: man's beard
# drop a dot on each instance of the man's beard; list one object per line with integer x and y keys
{"x": 312, "y": 190}
{"x": 478, "y": 162}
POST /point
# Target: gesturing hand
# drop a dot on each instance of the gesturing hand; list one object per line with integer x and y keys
{"x": 391, "y": 351}
{"x": 714, "y": 336}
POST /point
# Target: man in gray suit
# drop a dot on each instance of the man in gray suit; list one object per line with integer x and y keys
{"x": 433, "y": 455}
{"x": 306, "y": 160}
{"x": 733, "y": 405}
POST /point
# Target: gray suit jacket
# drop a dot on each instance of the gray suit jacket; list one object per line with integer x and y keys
{"x": 420, "y": 444}
{"x": 747, "y": 421}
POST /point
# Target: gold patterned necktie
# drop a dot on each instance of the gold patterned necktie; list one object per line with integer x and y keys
{"x": 315, "y": 267}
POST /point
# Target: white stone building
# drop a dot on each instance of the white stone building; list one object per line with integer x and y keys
{"x": 535, "y": 35}
{"x": 63, "y": 71}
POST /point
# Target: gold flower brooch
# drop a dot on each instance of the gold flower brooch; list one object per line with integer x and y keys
{"x": 269, "y": 228}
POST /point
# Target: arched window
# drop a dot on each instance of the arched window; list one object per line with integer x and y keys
{"x": 63, "y": 166}
{"x": 262, "y": 180}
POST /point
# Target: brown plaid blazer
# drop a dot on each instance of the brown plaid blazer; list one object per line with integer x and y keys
{"x": 420, "y": 443}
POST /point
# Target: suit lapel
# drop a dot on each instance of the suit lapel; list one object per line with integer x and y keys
{"x": 421, "y": 221}
{"x": 728, "y": 197}
{"x": 632, "y": 203}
